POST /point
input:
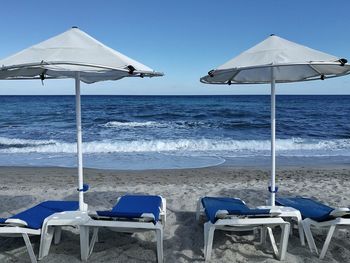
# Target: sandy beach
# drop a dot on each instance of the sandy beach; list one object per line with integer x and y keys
{"x": 160, "y": 98}
{"x": 22, "y": 187}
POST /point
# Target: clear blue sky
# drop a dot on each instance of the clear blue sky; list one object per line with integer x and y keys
{"x": 182, "y": 38}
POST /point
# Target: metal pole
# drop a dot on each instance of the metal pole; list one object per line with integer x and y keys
{"x": 82, "y": 206}
{"x": 273, "y": 138}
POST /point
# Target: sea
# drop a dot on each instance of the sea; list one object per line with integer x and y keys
{"x": 172, "y": 132}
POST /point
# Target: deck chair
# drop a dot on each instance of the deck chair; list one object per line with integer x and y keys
{"x": 32, "y": 222}
{"x": 317, "y": 215}
{"x": 232, "y": 214}
{"x": 132, "y": 213}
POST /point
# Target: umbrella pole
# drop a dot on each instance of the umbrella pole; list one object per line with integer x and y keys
{"x": 82, "y": 205}
{"x": 273, "y": 139}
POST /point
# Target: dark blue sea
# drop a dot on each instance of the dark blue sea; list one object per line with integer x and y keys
{"x": 150, "y": 132}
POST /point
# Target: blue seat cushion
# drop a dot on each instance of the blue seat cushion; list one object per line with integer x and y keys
{"x": 308, "y": 208}
{"x": 133, "y": 206}
{"x": 35, "y": 216}
{"x": 233, "y": 206}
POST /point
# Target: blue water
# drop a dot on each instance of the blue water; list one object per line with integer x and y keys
{"x": 149, "y": 132}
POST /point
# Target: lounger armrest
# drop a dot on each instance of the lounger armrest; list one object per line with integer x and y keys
{"x": 15, "y": 221}
{"x": 339, "y": 212}
{"x": 93, "y": 214}
{"x": 163, "y": 204}
{"x": 274, "y": 211}
{"x": 148, "y": 217}
{"x": 163, "y": 210}
{"x": 221, "y": 214}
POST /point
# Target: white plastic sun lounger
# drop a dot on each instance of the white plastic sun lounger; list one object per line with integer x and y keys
{"x": 232, "y": 214}
{"x": 132, "y": 213}
{"x": 33, "y": 221}
{"x": 316, "y": 214}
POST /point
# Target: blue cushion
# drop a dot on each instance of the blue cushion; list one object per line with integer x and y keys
{"x": 308, "y": 208}
{"x": 2, "y": 220}
{"x": 234, "y": 206}
{"x": 35, "y": 216}
{"x": 133, "y": 206}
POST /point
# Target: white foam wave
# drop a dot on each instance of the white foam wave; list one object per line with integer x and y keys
{"x": 24, "y": 142}
{"x": 294, "y": 146}
{"x": 132, "y": 124}
{"x": 154, "y": 124}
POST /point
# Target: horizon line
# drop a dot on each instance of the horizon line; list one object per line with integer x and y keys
{"x": 204, "y": 95}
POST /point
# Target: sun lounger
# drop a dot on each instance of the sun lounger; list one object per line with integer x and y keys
{"x": 318, "y": 215}
{"x": 132, "y": 213}
{"x": 232, "y": 214}
{"x": 32, "y": 222}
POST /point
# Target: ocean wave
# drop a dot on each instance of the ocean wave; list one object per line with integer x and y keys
{"x": 162, "y": 115}
{"x": 153, "y": 124}
{"x": 9, "y": 142}
{"x": 295, "y": 146}
{"x": 132, "y": 124}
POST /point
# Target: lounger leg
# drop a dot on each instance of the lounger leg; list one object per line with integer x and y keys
{"x": 284, "y": 241}
{"x": 94, "y": 239}
{"x": 301, "y": 231}
{"x": 29, "y": 248}
{"x": 327, "y": 241}
{"x": 205, "y": 232}
{"x": 96, "y": 231}
{"x": 210, "y": 236}
{"x": 45, "y": 241}
{"x": 57, "y": 235}
{"x": 272, "y": 240}
{"x": 84, "y": 242}
{"x": 263, "y": 236}
{"x": 159, "y": 235}
{"x": 309, "y": 237}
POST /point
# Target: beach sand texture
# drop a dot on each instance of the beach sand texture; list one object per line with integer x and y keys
{"x": 22, "y": 187}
